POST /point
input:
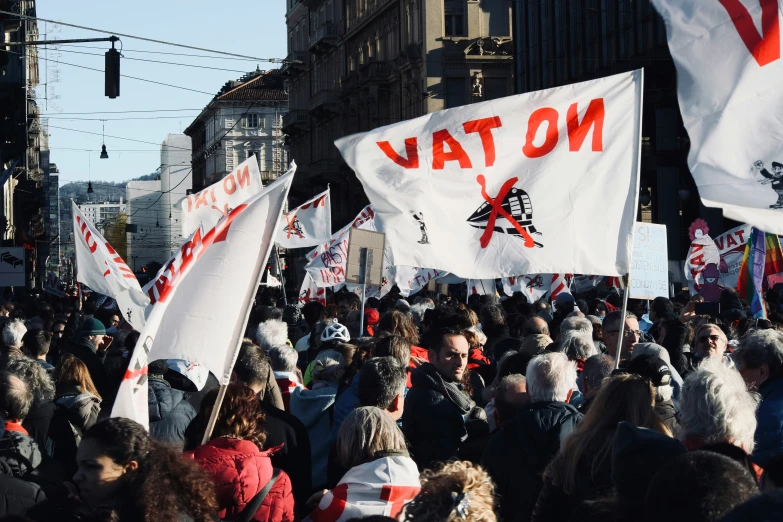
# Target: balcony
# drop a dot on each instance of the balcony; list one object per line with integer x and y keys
{"x": 296, "y": 121}
{"x": 296, "y": 63}
{"x": 374, "y": 72}
{"x": 325, "y": 37}
{"x": 325, "y": 101}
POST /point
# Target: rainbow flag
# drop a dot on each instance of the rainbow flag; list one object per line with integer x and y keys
{"x": 763, "y": 257}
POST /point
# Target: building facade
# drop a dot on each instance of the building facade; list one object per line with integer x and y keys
{"x": 103, "y": 213}
{"x": 244, "y": 119}
{"x": 176, "y": 181}
{"x": 143, "y": 237}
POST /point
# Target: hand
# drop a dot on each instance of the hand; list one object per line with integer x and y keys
{"x": 314, "y": 500}
{"x": 107, "y": 340}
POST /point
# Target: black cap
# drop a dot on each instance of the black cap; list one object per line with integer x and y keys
{"x": 653, "y": 368}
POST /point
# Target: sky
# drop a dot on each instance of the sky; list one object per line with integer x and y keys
{"x": 249, "y": 27}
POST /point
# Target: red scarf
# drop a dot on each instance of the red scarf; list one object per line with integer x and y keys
{"x": 15, "y": 426}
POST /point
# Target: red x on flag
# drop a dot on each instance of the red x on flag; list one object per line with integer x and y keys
{"x": 497, "y": 208}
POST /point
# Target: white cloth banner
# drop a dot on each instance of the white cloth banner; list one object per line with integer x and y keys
{"x": 533, "y": 286}
{"x": 561, "y": 284}
{"x": 201, "y": 313}
{"x": 307, "y": 225}
{"x": 727, "y": 54}
{"x": 101, "y": 268}
{"x": 410, "y": 279}
{"x": 457, "y": 189}
{"x": 208, "y": 206}
{"x": 481, "y": 287}
{"x": 311, "y": 292}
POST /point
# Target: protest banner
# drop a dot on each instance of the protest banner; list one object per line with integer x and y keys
{"x": 101, "y": 268}
{"x": 310, "y": 291}
{"x": 725, "y": 252}
{"x": 727, "y": 55}
{"x": 307, "y": 225}
{"x": 209, "y": 205}
{"x": 533, "y": 286}
{"x": 410, "y": 279}
{"x": 52, "y": 285}
{"x": 457, "y": 189}
{"x": 649, "y": 276}
{"x": 481, "y": 287}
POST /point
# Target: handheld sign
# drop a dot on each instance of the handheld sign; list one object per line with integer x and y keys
{"x": 373, "y": 244}
{"x": 649, "y": 262}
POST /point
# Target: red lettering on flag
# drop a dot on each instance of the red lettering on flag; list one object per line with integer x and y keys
{"x": 498, "y": 209}
{"x": 594, "y": 118}
{"x": 456, "y": 152}
{"x": 243, "y": 177}
{"x": 548, "y": 115}
{"x": 411, "y": 149}
{"x": 764, "y": 47}
{"x": 484, "y": 128}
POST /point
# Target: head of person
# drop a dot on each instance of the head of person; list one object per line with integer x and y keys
{"x": 36, "y": 344}
{"x": 624, "y": 397}
{"x": 565, "y": 304}
{"x": 352, "y": 301}
{"x": 577, "y": 347}
{"x": 34, "y": 376}
{"x": 466, "y": 317}
{"x": 698, "y": 486}
{"x": 759, "y": 358}
{"x": 16, "y": 398}
{"x": 491, "y": 315}
{"x": 58, "y": 328}
{"x": 329, "y": 366}
{"x": 596, "y": 369}
{"x": 511, "y": 396}
{"x": 333, "y": 334}
{"x": 368, "y": 433}
{"x": 121, "y": 467}
{"x": 13, "y": 334}
{"x": 448, "y": 353}
{"x": 457, "y": 491}
{"x": 577, "y": 325}
{"x": 382, "y": 385}
{"x": 614, "y": 327}
{"x": 717, "y": 407}
{"x": 391, "y": 345}
{"x": 476, "y": 338}
{"x": 710, "y": 341}
{"x": 551, "y": 377}
{"x": 72, "y": 373}
{"x": 240, "y": 414}
{"x": 535, "y": 344}
{"x": 273, "y": 332}
{"x": 313, "y": 311}
{"x": 535, "y": 326}
{"x": 661, "y": 308}
{"x": 657, "y": 372}
{"x": 93, "y": 330}
{"x": 398, "y": 323}
{"x": 283, "y": 358}
{"x": 252, "y": 368}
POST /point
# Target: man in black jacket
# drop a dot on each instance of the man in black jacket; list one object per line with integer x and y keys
{"x": 439, "y": 415}
{"x": 517, "y": 455}
{"x": 90, "y": 347}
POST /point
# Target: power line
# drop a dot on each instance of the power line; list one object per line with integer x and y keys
{"x": 118, "y": 119}
{"x": 118, "y": 137}
{"x": 156, "y": 61}
{"x": 161, "y": 52}
{"x": 121, "y": 112}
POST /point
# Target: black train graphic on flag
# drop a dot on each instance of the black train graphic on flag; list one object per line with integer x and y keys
{"x": 517, "y": 205}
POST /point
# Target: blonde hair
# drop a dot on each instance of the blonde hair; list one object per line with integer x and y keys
{"x": 441, "y": 487}
{"x": 366, "y": 432}
{"x": 73, "y": 372}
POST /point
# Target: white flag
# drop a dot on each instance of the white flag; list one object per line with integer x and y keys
{"x": 201, "y": 313}
{"x": 212, "y": 203}
{"x": 540, "y": 182}
{"x": 561, "y": 284}
{"x": 729, "y": 70}
{"x": 272, "y": 280}
{"x": 481, "y": 287}
{"x": 307, "y": 225}
{"x": 311, "y": 292}
{"x": 533, "y": 286}
{"x": 410, "y": 279}
{"x": 101, "y": 268}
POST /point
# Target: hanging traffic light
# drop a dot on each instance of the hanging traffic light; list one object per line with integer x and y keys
{"x": 112, "y": 72}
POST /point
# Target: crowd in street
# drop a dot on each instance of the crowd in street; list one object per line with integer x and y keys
{"x": 434, "y": 409}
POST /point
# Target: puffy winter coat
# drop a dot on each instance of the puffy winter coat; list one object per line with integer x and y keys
{"x": 312, "y": 407}
{"x": 517, "y": 455}
{"x": 17, "y": 496}
{"x": 769, "y": 430}
{"x": 170, "y": 412}
{"x": 240, "y": 470}
{"x": 19, "y": 454}
{"x": 75, "y": 413}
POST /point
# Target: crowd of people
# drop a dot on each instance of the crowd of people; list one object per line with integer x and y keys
{"x": 431, "y": 409}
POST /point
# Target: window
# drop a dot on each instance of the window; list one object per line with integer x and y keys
{"x": 454, "y": 25}
{"x": 250, "y": 121}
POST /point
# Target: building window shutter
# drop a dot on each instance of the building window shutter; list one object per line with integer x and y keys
{"x": 229, "y": 155}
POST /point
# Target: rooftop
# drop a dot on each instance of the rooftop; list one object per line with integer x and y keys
{"x": 258, "y": 85}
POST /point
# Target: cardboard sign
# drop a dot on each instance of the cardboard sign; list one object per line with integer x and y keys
{"x": 374, "y": 242}
{"x": 649, "y": 263}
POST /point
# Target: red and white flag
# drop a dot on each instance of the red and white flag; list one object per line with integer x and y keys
{"x": 311, "y": 292}
{"x": 481, "y": 287}
{"x": 510, "y": 186}
{"x": 307, "y": 225}
{"x": 201, "y": 313}
{"x": 410, "y": 279}
{"x": 533, "y": 286}
{"x": 101, "y": 268}
{"x": 209, "y": 205}
{"x": 729, "y": 72}
{"x": 561, "y": 284}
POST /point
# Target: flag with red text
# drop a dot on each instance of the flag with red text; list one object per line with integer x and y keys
{"x": 309, "y": 224}
{"x": 533, "y": 286}
{"x": 310, "y": 291}
{"x": 410, "y": 279}
{"x": 729, "y": 69}
{"x": 543, "y": 182}
{"x": 101, "y": 268}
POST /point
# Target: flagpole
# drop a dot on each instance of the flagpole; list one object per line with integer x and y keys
{"x": 620, "y": 334}
{"x": 280, "y": 273}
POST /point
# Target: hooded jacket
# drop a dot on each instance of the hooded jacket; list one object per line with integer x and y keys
{"x": 75, "y": 413}
{"x": 312, "y": 407}
{"x": 170, "y": 412}
{"x": 439, "y": 417}
{"x": 19, "y": 454}
{"x": 240, "y": 470}
{"x": 17, "y": 496}
{"x": 517, "y": 455}
{"x": 769, "y": 430}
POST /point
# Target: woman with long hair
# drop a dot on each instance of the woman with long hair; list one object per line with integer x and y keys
{"x": 396, "y": 322}
{"x": 234, "y": 457}
{"x": 582, "y": 469}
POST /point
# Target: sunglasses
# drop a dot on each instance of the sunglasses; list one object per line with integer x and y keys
{"x": 713, "y": 338}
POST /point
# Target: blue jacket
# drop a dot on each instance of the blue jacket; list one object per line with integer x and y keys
{"x": 170, "y": 412}
{"x": 769, "y": 431}
{"x": 346, "y": 402}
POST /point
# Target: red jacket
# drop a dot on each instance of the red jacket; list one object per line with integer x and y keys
{"x": 416, "y": 352}
{"x": 240, "y": 470}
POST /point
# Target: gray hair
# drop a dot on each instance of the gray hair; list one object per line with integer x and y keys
{"x": 273, "y": 332}
{"x": 13, "y": 332}
{"x": 283, "y": 358}
{"x": 34, "y": 376}
{"x": 327, "y": 366}
{"x": 508, "y": 383}
{"x": 16, "y": 399}
{"x": 366, "y": 431}
{"x": 576, "y": 324}
{"x": 419, "y": 309}
{"x": 550, "y": 376}
{"x": 717, "y": 407}
{"x": 577, "y": 346}
{"x": 762, "y": 347}
{"x": 596, "y": 369}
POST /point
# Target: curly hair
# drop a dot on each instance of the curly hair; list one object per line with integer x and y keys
{"x": 34, "y": 375}
{"x": 164, "y": 487}
{"x": 400, "y": 324}
{"x": 240, "y": 415}
{"x": 436, "y": 500}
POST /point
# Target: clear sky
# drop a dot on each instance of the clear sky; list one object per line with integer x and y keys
{"x": 248, "y": 27}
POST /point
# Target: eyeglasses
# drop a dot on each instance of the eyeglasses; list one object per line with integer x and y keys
{"x": 714, "y": 338}
{"x": 627, "y": 333}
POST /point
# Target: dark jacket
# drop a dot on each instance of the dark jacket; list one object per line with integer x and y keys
{"x": 436, "y": 425}
{"x": 38, "y": 420}
{"x": 769, "y": 430}
{"x": 17, "y": 496}
{"x": 517, "y": 455}
{"x": 83, "y": 349}
{"x": 19, "y": 454}
{"x": 170, "y": 412}
{"x": 76, "y": 413}
{"x": 665, "y": 409}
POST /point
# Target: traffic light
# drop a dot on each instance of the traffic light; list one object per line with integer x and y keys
{"x": 112, "y": 72}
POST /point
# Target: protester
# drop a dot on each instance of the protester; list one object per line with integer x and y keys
{"x": 710, "y": 342}
{"x": 382, "y": 385}
{"x": 582, "y": 469}
{"x": 373, "y": 450}
{"x": 454, "y": 492}
{"x": 535, "y": 344}
{"x": 272, "y": 332}
{"x": 612, "y": 324}
{"x": 13, "y": 336}
{"x": 312, "y": 313}
{"x": 292, "y": 317}
{"x": 535, "y": 326}
{"x": 657, "y": 372}
{"x": 19, "y": 453}
{"x": 511, "y": 397}
{"x": 439, "y": 414}
{"x": 283, "y": 361}
{"x": 253, "y": 369}
{"x": 760, "y": 362}
{"x": 517, "y": 455}
{"x": 169, "y": 410}
{"x": 596, "y": 369}
{"x": 36, "y": 346}
{"x": 90, "y": 346}
{"x": 239, "y": 468}
{"x": 659, "y": 351}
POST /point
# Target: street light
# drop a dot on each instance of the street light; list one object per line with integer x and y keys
{"x": 104, "y": 154}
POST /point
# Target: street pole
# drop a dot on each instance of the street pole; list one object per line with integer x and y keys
{"x": 363, "y": 279}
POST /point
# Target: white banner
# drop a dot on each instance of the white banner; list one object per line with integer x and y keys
{"x": 101, "y": 268}
{"x": 410, "y": 279}
{"x": 215, "y": 201}
{"x": 650, "y": 269}
{"x": 311, "y": 292}
{"x": 727, "y": 54}
{"x": 457, "y": 189}
{"x": 481, "y": 287}
{"x": 533, "y": 286}
{"x": 307, "y": 225}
